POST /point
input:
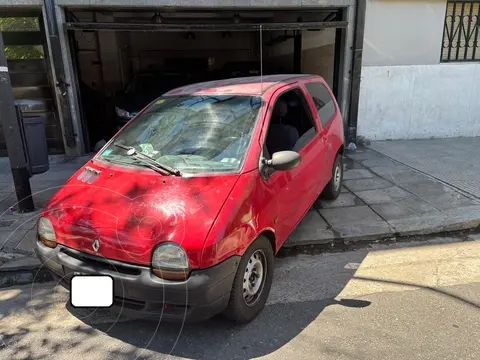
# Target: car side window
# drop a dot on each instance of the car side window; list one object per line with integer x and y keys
{"x": 292, "y": 125}
{"x": 323, "y": 102}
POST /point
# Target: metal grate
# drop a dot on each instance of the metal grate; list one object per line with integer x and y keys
{"x": 460, "y": 32}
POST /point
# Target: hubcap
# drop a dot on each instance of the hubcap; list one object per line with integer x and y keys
{"x": 337, "y": 177}
{"x": 254, "y": 277}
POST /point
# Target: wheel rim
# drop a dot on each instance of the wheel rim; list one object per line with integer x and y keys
{"x": 254, "y": 278}
{"x": 337, "y": 177}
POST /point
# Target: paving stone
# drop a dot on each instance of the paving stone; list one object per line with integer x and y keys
{"x": 405, "y": 177}
{"x": 364, "y": 232}
{"x": 426, "y": 187}
{"x": 419, "y": 225}
{"x": 350, "y": 215}
{"x": 351, "y": 164}
{"x": 466, "y": 212}
{"x": 451, "y": 160}
{"x": 356, "y": 223}
{"x": 418, "y": 205}
{"x": 365, "y": 155}
{"x": 5, "y": 194}
{"x": 344, "y": 190}
{"x": 379, "y": 162}
{"x": 381, "y": 196}
{"x": 4, "y": 162}
{"x": 10, "y": 238}
{"x": 28, "y": 262}
{"x": 385, "y": 171}
{"x": 367, "y": 184}
{"x": 28, "y": 241}
{"x": 312, "y": 230}
{"x": 393, "y": 211}
{"x": 343, "y": 200}
{"x": 449, "y": 200}
{"x": 430, "y": 224}
{"x": 357, "y": 174}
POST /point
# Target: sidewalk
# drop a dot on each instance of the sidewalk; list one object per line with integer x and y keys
{"x": 452, "y": 161}
{"x": 381, "y": 199}
{"x": 17, "y": 231}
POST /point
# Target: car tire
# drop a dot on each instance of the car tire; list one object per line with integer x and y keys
{"x": 243, "y": 308}
{"x": 334, "y": 186}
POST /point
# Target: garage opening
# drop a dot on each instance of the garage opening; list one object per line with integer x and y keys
{"x": 124, "y": 60}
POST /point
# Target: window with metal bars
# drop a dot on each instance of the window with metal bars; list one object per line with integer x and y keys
{"x": 461, "y": 40}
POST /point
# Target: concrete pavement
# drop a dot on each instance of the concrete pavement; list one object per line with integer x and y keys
{"x": 398, "y": 301}
{"x": 454, "y": 161}
{"x": 383, "y": 198}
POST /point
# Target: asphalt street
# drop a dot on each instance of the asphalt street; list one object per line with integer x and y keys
{"x": 398, "y": 301}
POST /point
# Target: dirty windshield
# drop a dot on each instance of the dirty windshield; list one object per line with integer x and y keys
{"x": 191, "y": 133}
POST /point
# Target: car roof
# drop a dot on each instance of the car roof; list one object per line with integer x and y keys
{"x": 252, "y": 85}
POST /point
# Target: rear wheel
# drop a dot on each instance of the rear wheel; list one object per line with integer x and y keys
{"x": 252, "y": 282}
{"x": 333, "y": 188}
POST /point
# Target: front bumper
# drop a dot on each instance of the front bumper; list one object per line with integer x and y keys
{"x": 139, "y": 293}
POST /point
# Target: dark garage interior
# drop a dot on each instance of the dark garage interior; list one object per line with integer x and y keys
{"x": 124, "y": 60}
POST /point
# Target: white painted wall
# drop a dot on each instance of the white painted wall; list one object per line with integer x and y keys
{"x": 419, "y": 101}
{"x": 403, "y": 32}
{"x": 405, "y": 92}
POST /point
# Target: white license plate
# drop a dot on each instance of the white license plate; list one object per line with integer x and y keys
{"x": 91, "y": 291}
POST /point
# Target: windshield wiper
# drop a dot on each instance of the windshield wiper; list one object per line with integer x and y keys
{"x": 152, "y": 163}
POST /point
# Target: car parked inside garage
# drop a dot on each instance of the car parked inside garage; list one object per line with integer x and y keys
{"x": 187, "y": 205}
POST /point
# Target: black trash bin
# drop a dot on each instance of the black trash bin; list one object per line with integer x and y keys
{"x": 32, "y": 126}
{"x": 36, "y": 144}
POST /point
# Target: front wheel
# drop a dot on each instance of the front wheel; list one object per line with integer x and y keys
{"x": 252, "y": 282}
{"x": 334, "y": 186}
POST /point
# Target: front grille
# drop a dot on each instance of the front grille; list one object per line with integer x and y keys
{"x": 102, "y": 263}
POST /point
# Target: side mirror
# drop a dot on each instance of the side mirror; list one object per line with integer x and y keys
{"x": 284, "y": 160}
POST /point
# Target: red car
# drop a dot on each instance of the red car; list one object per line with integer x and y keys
{"x": 187, "y": 205}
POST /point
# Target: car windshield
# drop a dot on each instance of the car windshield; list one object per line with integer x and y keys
{"x": 197, "y": 134}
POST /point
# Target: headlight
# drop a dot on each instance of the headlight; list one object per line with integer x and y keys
{"x": 46, "y": 233}
{"x": 123, "y": 113}
{"x": 170, "y": 261}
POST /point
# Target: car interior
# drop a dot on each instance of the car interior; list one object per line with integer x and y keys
{"x": 291, "y": 125}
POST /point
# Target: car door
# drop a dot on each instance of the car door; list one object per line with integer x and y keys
{"x": 296, "y": 189}
{"x": 326, "y": 110}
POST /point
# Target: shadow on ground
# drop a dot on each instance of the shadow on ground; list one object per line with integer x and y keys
{"x": 38, "y": 323}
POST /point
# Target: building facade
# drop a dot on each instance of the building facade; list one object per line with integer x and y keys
{"x": 99, "y": 45}
{"x": 421, "y": 71}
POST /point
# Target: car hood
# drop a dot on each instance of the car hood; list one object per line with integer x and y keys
{"x": 131, "y": 210}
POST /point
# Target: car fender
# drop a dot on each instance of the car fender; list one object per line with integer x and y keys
{"x": 246, "y": 213}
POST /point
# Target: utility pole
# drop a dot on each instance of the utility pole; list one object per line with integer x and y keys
{"x": 13, "y": 137}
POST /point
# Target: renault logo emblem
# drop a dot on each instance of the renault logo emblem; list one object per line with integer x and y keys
{"x": 96, "y": 245}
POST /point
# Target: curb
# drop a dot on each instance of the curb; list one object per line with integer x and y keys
{"x": 346, "y": 244}
{"x": 28, "y": 274}
{"x": 438, "y": 229}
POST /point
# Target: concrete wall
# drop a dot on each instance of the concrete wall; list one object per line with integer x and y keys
{"x": 406, "y": 93}
{"x": 404, "y": 32}
{"x": 152, "y": 48}
{"x": 420, "y": 101}
{"x": 318, "y": 53}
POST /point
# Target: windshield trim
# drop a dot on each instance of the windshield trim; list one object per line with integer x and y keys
{"x": 185, "y": 173}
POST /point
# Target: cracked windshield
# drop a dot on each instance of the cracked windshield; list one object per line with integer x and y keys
{"x": 198, "y": 134}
